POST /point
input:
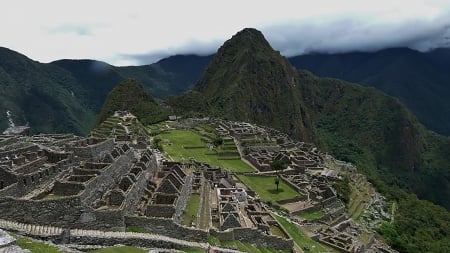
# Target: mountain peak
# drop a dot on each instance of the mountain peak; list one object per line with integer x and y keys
{"x": 249, "y": 81}
{"x": 246, "y": 39}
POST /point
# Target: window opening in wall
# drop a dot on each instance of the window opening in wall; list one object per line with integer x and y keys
{"x": 32, "y": 179}
{"x": 25, "y": 181}
{"x": 2, "y": 184}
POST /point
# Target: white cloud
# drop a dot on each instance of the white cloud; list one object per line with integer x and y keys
{"x": 130, "y": 32}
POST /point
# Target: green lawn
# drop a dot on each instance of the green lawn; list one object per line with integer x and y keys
{"x": 266, "y": 189}
{"x": 275, "y": 230}
{"x": 190, "y": 213}
{"x": 205, "y": 216}
{"x": 35, "y": 246}
{"x": 245, "y": 247}
{"x": 312, "y": 215}
{"x": 122, "y": 249}
{"x": 300, "y": 238}
{"x": 193, "y": 250}
{"x": 180, "y": 139}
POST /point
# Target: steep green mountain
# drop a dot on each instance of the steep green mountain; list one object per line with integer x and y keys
{"x": 419, "y": 80}
{"x": 95, "y": 79}
{"x": 247, "y": 80}
{"x": 170, "y": 76}
{"x": 131, "y": 96}
{"x": 42, "y": 95}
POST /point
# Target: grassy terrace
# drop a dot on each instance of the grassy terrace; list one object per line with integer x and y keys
{"x": 266, "y": 189}
{"x": 190, "y": 213}
{"x": 301, "y": 239}
{"x": 245, "y": 247}
{"x": 123, "y": 249}
{"x": 205, "y": 217}
{"x": 312, "y": 215}
{"x": 185, "y": 144}
{"x": 35, "y": 246}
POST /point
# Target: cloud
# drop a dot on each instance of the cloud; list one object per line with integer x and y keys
{"x": 351, "y": 34}
{"x": 196, "y": 47}
{"x": 78, "y": 29}
{"x": 141, "y": 32}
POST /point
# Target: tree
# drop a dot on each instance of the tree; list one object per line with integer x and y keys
{"x": 277, "y": 165}
{"x": 218, "y": 141}
{"x": 277, "y": 181}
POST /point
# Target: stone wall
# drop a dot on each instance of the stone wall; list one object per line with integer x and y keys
{"x": 160, "y": 210}
{"x": 167, "y": 227}
{"x": 109, "y": 177}
{"x": 6, "y": 177}
{"x": 64, "y": 212}
{"x": 95, "y": 150}
{"x": 59, "y": 212}
{"x": 254, "y": 236}
{"x": 182, "y": 199}
{"x": 29, "y": 182}
{"x": 134, "y": 194}
{"x": 21, "y": 150}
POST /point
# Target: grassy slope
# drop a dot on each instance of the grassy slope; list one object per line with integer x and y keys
{"x": 182, "y": 138}
{"x": 300, "y": 238}
{"x": 35, "y": 246}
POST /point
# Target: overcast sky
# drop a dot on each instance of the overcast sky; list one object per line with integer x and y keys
{"x": 135, "y": 32}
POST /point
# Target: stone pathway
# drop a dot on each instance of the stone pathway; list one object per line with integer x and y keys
{"x": 38, "y": 230}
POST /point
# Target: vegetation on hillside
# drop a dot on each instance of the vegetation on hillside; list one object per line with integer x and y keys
{"x": 41, "y": 95}
{"x": 248, "y": 81}
{"x": 418, "y": 79}
{"x": 130, "y": 96}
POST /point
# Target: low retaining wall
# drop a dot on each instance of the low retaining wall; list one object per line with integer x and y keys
{"x": 254, "y": 236}
{"x": 167, "y": 227}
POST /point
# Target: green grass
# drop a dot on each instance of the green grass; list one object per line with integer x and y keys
{"x": 205, "y": 217}
{"x": 53, "y": 196}
{"x": 300, "y": 238}
{"x": 193, "y": 250}
{"x": 190, "y": 213}
{"x": 266, "y": 189}
{"x": 35, "y": 246}
{"x": 275, "y": 230}
{"x": 245, "y": 247}
{"x": 122, "y": 249}
{"x": 135, "y": 229}
{"x": 312, "y": 215}
{"x": 184, "y": 138}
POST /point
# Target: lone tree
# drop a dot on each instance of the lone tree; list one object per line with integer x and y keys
{"x": 277, "y": 165}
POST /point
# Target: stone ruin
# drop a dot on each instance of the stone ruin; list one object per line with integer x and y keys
{"x": 72, "y": 181}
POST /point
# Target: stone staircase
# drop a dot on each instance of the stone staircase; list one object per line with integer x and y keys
{"x": 29, "y": 229}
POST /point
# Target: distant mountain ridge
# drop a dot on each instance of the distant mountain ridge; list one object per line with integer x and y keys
{"x": 420, "y": 80}
{"x": 398, "y": 72}
{"x": 66, "y": 95}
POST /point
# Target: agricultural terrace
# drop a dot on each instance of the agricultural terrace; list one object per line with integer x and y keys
{"x": 180, "y": 145}
{"x": 302, "y": 240}
{"x": 265, "y": 187}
